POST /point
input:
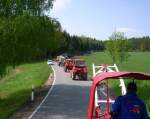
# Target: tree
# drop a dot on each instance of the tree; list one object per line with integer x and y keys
{"x": 118, "y": 47}
{"x": 27, "y": 38}
{"x": 27, "y": 35}
{"x": 9, "y": 8}
{"x": 139, "y": 44}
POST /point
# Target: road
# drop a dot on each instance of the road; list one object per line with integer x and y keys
{"x": 68, "y": 99}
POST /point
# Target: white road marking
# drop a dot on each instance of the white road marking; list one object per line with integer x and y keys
{"x": 50, "y": 90}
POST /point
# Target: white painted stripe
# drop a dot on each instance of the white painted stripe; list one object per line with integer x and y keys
{"x": 50, "y": 90}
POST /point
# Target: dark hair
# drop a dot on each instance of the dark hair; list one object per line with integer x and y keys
{"x": 132, "y": 87}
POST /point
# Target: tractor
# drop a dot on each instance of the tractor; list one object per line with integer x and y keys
{"x": 68, "y": 65}
{"x": 100, "y": 100}
{"x": 61, "y": 60}
{"x": 79, "y": 70}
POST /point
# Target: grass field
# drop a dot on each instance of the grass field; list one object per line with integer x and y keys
{"x": 137, "y": 62}
{"x": 15, "y": 88}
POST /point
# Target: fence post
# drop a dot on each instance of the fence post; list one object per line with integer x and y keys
{"x": 32, "y": 93}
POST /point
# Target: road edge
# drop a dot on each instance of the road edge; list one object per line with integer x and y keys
{"x": 50, "y": 90}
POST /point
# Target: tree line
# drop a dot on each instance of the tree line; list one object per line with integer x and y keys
{"x": 139, "y": 44}
{"x": 27, "y": 34}
{"x": 76, "y": 44}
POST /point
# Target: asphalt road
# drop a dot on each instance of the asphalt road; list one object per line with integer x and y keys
{"x": 67, "y": 100}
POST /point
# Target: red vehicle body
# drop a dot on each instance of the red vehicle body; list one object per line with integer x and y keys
{"x": 68, "y": 65}
{"x": 79, "y": 69}
{"x": 94, "y": 112}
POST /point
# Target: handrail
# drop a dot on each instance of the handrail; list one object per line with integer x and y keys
{"x": 108, "y": 68}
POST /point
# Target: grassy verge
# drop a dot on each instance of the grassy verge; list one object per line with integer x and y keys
{"x": 15, "y": 88}
{"x": 138, "y": 62}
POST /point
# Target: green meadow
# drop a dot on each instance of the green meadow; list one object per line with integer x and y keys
{"x": 15, "y": 87}
{"x": 137, "y": 62}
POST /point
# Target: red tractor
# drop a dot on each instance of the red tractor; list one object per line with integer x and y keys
{"x": 68, "y": 65}
{"x": 100, "y": 100}
{"x": 79, "y": 70}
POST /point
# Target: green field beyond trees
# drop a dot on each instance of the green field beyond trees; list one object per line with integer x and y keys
{"x": 15, "y": 88}
{"x": 137, "y": 62}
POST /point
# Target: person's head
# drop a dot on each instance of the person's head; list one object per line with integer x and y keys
{"x": 131, "y": 87}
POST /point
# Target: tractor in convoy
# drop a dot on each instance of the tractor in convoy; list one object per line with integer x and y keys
{"x": 61, "y": 60}
{"x": 68, "y": 65}
{"x": 100, "y": 98}
{"x": 79, "y": 70}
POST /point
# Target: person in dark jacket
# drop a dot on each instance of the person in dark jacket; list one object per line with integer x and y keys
{"x": 129, "y": 106}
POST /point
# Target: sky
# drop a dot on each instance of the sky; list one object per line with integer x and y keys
{"x": 100, "y": 18}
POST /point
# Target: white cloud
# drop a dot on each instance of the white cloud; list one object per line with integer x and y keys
{"x": 125, "y": 29}
{"x": 60, "y": 5}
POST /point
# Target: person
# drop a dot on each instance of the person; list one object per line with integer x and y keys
{"x": 129, "y": 106}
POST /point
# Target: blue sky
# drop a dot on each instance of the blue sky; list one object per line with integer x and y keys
{"x": 99, "y": 18}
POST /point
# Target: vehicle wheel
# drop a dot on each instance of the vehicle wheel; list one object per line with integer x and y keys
{"x": 85, "y": 76}
{"x": 66, "y": 69}
{"x": 73, "y": 76}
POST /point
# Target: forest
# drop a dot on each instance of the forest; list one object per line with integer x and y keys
{"x": 27, "y": 34}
